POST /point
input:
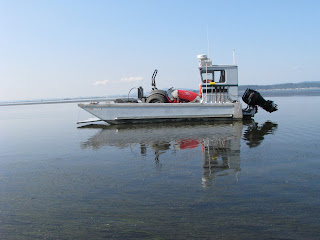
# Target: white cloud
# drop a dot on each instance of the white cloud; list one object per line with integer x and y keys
{"x": 131, "y": 79}
{"x": 296, "y": 68}
{"x": 104, "y": 82}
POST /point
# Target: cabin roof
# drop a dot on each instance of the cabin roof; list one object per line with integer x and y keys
{"x": 218, "y": 66}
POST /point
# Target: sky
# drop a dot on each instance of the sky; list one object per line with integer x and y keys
{"x": 74, "y": 48}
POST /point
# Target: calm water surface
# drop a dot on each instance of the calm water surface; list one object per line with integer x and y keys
{"x": 240, "y": 180}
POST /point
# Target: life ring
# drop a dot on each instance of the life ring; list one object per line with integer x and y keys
{"x": 205, "y": 81}
{"x": 200, "y": 86}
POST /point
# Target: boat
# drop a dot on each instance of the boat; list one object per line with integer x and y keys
{"x": 218, "y": 99}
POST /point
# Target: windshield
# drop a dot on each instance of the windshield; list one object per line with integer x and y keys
{"x": 213, "y": 76}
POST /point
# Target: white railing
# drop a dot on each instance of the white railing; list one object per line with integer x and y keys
{"x": 215, "y": 94}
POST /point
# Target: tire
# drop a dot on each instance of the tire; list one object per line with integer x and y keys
{"x": 157, "y": 98}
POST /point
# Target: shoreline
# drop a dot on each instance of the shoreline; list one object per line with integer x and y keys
{"x": 265, "y": 92}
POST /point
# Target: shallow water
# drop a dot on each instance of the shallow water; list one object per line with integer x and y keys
{"x": 234, "y": 180}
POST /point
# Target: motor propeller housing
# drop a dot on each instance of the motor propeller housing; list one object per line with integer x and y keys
{"x": 254, "y": 98}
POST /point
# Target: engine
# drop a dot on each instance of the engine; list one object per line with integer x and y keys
{"x": 254, "y": 98}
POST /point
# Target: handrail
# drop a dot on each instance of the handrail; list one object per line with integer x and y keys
{"x": 215, "y": 93}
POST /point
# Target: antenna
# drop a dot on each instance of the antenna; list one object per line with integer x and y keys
{"x": 208, "y": 41}
{"x": 234, "y": 57}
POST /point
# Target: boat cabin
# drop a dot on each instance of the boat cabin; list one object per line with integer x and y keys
{"x": 219, "y": 83}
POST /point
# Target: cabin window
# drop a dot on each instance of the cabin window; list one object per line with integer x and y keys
{"x": 218, "y": 76}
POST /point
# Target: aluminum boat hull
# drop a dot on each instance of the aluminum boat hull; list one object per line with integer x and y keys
{"x": 119, "y": 113}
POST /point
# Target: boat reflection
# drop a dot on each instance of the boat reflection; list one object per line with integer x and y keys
{"x": 218, "y": 144}
{"x": 254, "y": 133}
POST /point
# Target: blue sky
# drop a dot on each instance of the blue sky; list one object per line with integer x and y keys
{"x": 53, "y": 49}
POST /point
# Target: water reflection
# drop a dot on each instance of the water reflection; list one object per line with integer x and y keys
{"x": 218, "y": 144}
{"x": 254, "y": 133}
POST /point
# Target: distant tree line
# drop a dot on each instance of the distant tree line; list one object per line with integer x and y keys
{"x": 315, "y": 84}
{"x": 242, "y": 88}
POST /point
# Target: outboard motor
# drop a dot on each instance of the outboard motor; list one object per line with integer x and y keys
{"x": 254, "y": 98}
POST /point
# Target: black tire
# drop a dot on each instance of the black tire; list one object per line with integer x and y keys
{"x": 157, "y": 98}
